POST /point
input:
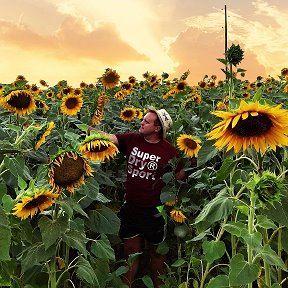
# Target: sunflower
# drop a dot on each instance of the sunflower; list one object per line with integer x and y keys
{"x": 110, "y": 78}
{"x": 71, "y": 104}
{"x": 41, "y": 105}
{"x": 189, "y": 145}
{"x": 98, "y": 147}
{"x": 99, "y": 112}
{"x": 47, "y": 132}
{"x": 33, "y": 202}
{"x": 171, "y": 203}
{"x": 252, "y": 124}
{"x": 177, "y": 216}
{"x": 20, "y": 102}
{"x": 120, "y": 95}
{"x": 128, "y": 114}
{"x": 180, "y": 86}
{"x": 139, "y": 113}
{"x": 67, "y": 171}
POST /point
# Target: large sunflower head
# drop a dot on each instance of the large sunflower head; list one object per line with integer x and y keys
{"x": 98, "y": 147}
{"x": 34, "y": 201}
{"x": 67, "y": 171}
{"x": 189, "y": 145}
{"x": 128, "y": 114}
{"x": 251, "y": 125}
{"x": 20, "y": 102}
{"x": 71, "y": 104}
{"x": 110, "y": 78}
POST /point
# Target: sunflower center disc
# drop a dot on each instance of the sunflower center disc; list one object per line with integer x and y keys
{"x": 71, "y": 103}
{"x": 37, "y": 202}
{"x": 69, "y": 172}
{"x": 190, "y": 144}
{"x": 22, "y": 100}
{"x": 252, "y": 126}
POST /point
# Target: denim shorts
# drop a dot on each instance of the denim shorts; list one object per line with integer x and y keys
{"x": 142, "y": 221}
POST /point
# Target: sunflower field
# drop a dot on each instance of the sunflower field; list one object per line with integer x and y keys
{"x": 61, "y": 186}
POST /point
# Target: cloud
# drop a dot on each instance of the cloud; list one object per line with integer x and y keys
{"x": 72, "y": 41}
{"x": 265, "y": 44}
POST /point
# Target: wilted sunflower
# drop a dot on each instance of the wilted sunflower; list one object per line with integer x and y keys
{"x": 99, "y": 111}
{"x": 33, "y": 202}
{"x": 171, "y": 203}
{"x": 110, "y": 78}
{"x": 251, "y": 125}
{"x": 71, "y": 104}
{"x": 189, "y": 145}
{"x": 20, "y": 102}
{"x": 120, "y": 95}
{"x": 98, "y": 147}
{"x": 128, "y": 114}
{"x": 177, "y": 216}
{"x": 67, "y": 171}
{"x": 46, "y": 133}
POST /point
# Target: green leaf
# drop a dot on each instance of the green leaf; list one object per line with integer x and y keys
{"x": 5, "y": 236}
{"x": 235, "y": 228}
{"x": 241, "y": 272}
{"x": 36, "y": 254}
{"x": 17, "y": 167}
{"x": 206, "y": 153}
{"x": 83, "y": 127}
{"x": 265, "y": 222}
{"x": 213, "y": 250}
{"x": 8, "y": 203}
{"x": 21, "y": 183}
{"x": 51, "y": 230}
{"x": 3, "y": 190}
{"x": 103, "y": 220}
{"x": 220, "y": 281}
{"x": 167, "y": 177}
{"x": 147, "y": 281}
{"x": 217, "y": 209}
{"x": 69, "y": 205}
{"x": 86, "y": 272}
{"x": 271, "y": 257}
{"x": 102, "y": 248}
{"x": 254, "y": 239}
{"x": 179, "y": 262}
{"x": 226, "y": 168}
{"x": 76, "y": 240}
{"x": 278, "y": 212}
{"x": 91, "y": 188}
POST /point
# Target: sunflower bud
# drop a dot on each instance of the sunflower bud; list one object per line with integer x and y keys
{"x": 268, "y": 188}
{"x": 234, "y": 54}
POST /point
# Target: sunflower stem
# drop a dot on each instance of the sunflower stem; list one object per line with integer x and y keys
{"x": 266, "y": 265}
{"x": 251, "y": 228}
{"x": 279, "y": 271}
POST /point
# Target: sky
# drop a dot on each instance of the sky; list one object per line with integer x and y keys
{"x": 77, "y": 40}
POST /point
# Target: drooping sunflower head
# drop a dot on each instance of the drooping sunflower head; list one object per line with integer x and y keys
{"x": 128, "y": 114}
{"x": 234, "y": 54}
{"x": 268, "y": 187}
{"x": 32, "y": 202}
{"x": 98, "y": 147}
{"x": 110, "y": 78}
{"x": 177, "y": 216}
{"x": 68, "y": 170}
{"x": 251, "y": 125}
{"x": 20, "y": 102}
{"x": 189, "y": 145}
{"x": 47, "y": 132}
{"x": 71, "y": 104}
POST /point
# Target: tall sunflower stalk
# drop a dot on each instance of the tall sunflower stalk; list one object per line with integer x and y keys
{"x": 254, "y": 129}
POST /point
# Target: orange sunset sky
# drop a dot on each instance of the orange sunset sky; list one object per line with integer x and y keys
{"x": 76, "y": 40}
